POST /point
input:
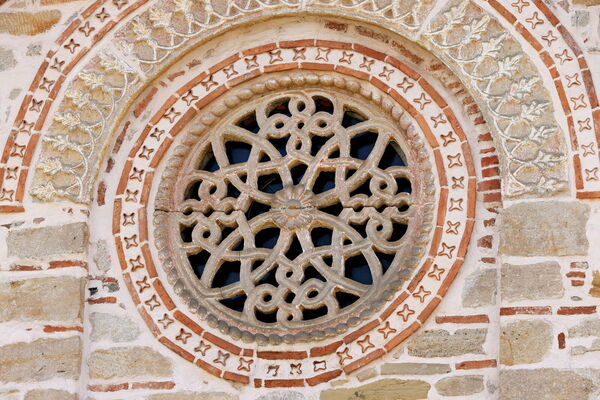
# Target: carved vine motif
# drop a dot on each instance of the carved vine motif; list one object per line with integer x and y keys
{"x": 296, "y": 211}
{"x": 521, "y": 116}
{"x": 516, "y": 107}
{"x": 80, "y": 128}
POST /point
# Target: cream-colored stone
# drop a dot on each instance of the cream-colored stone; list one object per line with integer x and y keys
{"x": 531, "y": 282}
{"x": 282, "y": 395}
{"x": 7, "y": 59}
{"x": 480, "y": 288}
{"x": 112, "y": 327}
{"x": 544, "y": 384}
{"x": 192, "y": 396}
{"x": 525, "y": 342}
{"x": 587, "y": 327}
{"x": 40, "y": 360}
{"x": 128, "y": 362}
{"x": 545, "y": 228}
{"x": 385, "y": 389}
{"x": 465, "y": 385}
{"x": 50, "y": 394}
{"x": 48, "y": 241}
{"x": 415, "y": 369}
{"x": 441, "y": 343}
{"x": 46, "y": 299}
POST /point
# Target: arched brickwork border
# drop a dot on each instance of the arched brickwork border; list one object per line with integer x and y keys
{"x": 78, "y": 39}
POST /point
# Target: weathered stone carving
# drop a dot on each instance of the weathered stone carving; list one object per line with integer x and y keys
{"x": 295, "y": 212}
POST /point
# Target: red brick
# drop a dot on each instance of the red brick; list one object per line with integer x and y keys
{"x": 224, "y": 344}
{"x": 153, "y": 385}
{"x": 283, "y": 383}
{"x": 325, "y": 350}
{"x": 477, "y": 364}
{"x": 539, "y": 310}
{"x": 282, "y": 355}
{"x": 576, "y": 310}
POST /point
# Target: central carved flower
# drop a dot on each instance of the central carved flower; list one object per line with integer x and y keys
{"x": 293, "y": 207}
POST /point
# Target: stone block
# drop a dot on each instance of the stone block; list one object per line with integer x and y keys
{"x": 531, "y": 282}
{"x": 440, "y": 343}
{"x": 40, "y": 360}
{"x": 128, "y": 362}
{"x": 415, "y": 369}
{"x": 544, "y": 384}
{"x": 287, "y": 395}
{"x": 48, "y": 241}
{"x": 480, "y": 288}
{"x": 50, "y": 394}
{"x": 544, "y": 228}
{"x": 26, "y": 23}
{"x": 525, "y": 342}
{"x": 112, "y": 327}
{"x": 7, "y": 59}
{"x": 46, "y": 299}
{"x": 460, "y": 385}
{"x": 194, "y": 396}
{"x": 595, "y": 289}
{"x": 385, "y": 389}
{"x": 588, "y": 327}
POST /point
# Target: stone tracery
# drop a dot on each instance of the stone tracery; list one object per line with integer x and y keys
{"x": 305, "y": 195}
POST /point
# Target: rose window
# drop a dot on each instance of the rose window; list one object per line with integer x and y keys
{"x": 294, "y": 215}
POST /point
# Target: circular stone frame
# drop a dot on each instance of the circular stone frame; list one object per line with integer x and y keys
{"x": 408, "y": 257}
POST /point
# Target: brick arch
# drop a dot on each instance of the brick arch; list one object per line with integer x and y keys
{"x": 97, "y": 22}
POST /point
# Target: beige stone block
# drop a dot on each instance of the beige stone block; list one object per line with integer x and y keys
{"x": 25, "y": 23}
{"x": 128, "y": 362}
{"x": 41, "y": 360}
{"x": 595, "y": 289}
{"x": 385, "y": 389}
{"x": 192, "y": 396}
{"x": 441, "y": 343}
{"x": 587, "y": 2}
{"x": 415, "y": 369}
{"x": 46, "y": 299}
{"x": 460, "y": 385}
{"x": 544, "y": 384}
{"x": 544, "y": 228}
{"x": 50, "y": 394}
{"x": 588, "y": 327}
{"x": 7, "y": 59}
{"x": 282, "y": 395}
{"x": 48, "y": 241}
{"x": 531, "y": 282}
{"x": 525, "y": 342}
{"x": 112, "y": 327}
{"x": 480, "y": 288}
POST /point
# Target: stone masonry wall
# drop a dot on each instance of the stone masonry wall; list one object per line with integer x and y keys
{"x": 520, "y": 321}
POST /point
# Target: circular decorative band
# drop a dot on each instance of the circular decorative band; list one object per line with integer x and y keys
{"x": 298, "y": 213}
{"x": 419, "y": 110}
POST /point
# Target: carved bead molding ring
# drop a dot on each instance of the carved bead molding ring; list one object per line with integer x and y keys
{"x": 311, "y": 216}
{"x": 292, "y": 217}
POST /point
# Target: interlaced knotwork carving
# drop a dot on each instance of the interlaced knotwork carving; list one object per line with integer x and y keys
{"x": 296, "y": 213}
{"x": 295, "y": 210}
